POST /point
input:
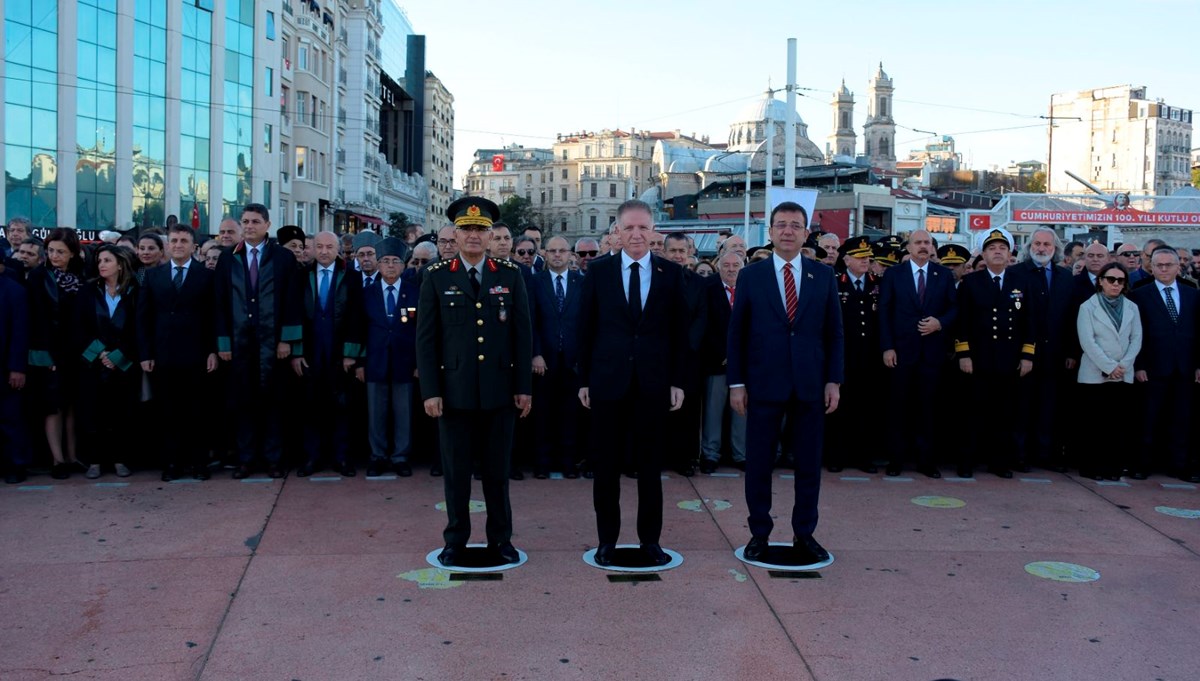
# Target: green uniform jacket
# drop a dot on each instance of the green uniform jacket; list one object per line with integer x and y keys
{"x": 475, "y": 352}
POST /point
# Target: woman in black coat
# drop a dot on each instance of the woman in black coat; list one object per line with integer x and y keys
{"x": 51, "y": 383}
{"x": 110, "y": 379}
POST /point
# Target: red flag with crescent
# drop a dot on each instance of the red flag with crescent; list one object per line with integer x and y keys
{"x": 979, "y": 222}
{"x": 498, "y": 163}
{"x": 195, "y": 216}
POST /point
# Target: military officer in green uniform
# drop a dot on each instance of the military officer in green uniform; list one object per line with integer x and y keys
{"x": 474, "y": 363}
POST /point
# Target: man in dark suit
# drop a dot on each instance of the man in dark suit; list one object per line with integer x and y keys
{"x": 683, "y": 424}
{"x": 14, "y": 352}
{"x": 785, "y": 361}
{"x": 917, "y": 308}
{"x": 474, "y": 354}
{"x": 385, "y": 336}
{"x": 632, "y": 329}
{"x": 995, "y": 344}
{"x": 325, "y": 293}
{"x": 722, "y": 293}
{"x": 178, "y": 344}
{"x": 1167, "y": 366}
{"x": 1050, "y": 294}
{"x": 254, "y": 332}
{"x": 555, "y": 304}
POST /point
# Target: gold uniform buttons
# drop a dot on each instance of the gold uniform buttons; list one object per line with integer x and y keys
{"x": 481, "y": 358}
{"x": 481, "y": 339}
{"x": 479, "y": 322}
{"x": 478, "y": 305}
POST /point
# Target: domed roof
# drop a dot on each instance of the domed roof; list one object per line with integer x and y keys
{"x": 757, "y": 111}
{"x": 843, "y": 90}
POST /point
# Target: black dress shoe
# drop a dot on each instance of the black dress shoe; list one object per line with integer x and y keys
{"x": 1001, "y": 472}
{"x": 708, "y": 466}
{"x": 1139, "y": 475}
{"x": 435, "y": 470}
{"x": 241, "y": 472}
{"x": 403, "y": 469}
{"x": 930, "y": 472}
{"x": 604, "y": 554}
{"x": 1021, "y": 467}
{"x": 870, "y": 469}
{"x": 656, "y": 555}
{"x": 540, "y": 474}
{"x": 894, "y": 469}
{"x": 633, "y": 475}
{"x": 275, "y": 471}
{"x": 477, "y": 475}
{"x": 304, "y": 470}
{"x": 687, "y": 470}
{"x": 346, "y": 470}
{"x": 571, "y": 474}
{"x": 506, "y": 552}
{"x": 1193, "y": 478}
{"x": 449, "y": 555}
{"x": 516, "y": 474}
{"x": 15, "y": 476}
{"x": 741, "y": 465}
{"x": 757, "y": 548}
{"x": 169, "y": 473}
{"x": 589, "y": 475}
{"x": 834, "y": 469}
{"x": 809, "y": 550}
{"x": 374, "y": 469}
{"x": 60, "y": 471}
{"x": 200, "y": 472}
{"x": 965, "y": 472}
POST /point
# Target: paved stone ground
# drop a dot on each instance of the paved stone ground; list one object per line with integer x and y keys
{"x": 319, "y": 579}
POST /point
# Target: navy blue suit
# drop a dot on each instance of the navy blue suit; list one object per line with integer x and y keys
{"x": 919, "y": 359}
{"x": 556, "y": 340}
{"x": 785, "y": 367}
{"x": 14, "y": 351}
{"x": 1169, "y": 358}
{"x": 388, "y": 345}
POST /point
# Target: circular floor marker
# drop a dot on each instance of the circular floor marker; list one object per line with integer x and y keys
{"x": 430, "y": 578}
{"x": 938, "y": 502}
{"x": 629, "y": 558}
{"x": 779, "y": 557}
{"x": 1062, "y": 572}
{"x": 476, "y": 558}
{"x": 1178, "y": 512}
{"x": 697, "y": 505}
{"x": 475, "y": 506}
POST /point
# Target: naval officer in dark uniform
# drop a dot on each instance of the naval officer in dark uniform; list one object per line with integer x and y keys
{"x": 474, "y": 363}
{"x": 858, "y": 292}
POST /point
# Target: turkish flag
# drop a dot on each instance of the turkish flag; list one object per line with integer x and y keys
{"x": 981, "y": 222}
{"x": 498, "y": 163}
{"x": 195, "y": 216}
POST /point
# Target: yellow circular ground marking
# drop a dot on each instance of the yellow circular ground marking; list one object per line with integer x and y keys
{"x": 475, "y": 506}
{"x": 938, "y": 502}
{"x": 1062, "y": 572}
{"x": 430, "y": 578}
{"x": 1178, "y": 512}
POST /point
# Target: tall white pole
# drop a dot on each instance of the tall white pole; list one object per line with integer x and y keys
{"x": 770, "y": 142}
{"x": 789, "y": 132}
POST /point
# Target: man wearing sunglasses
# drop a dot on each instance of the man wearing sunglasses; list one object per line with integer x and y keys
{"x": 525, "y": 251}
{"x": 586, "y": 249}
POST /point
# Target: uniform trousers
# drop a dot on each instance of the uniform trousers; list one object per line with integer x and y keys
{"x": 804, "y": 441}
{"x": 477, "y": 434}
{"x": 557, "y": 416}
{"x": 616, "y": 434}
{"x": 993, "y": 395}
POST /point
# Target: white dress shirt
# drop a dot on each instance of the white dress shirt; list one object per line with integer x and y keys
{"x": 643, "y": 275}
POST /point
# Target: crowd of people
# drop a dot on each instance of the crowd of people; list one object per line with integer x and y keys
{"x": 270, "y": 351}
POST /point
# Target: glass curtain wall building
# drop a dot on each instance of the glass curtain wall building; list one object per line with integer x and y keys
{"x": 154, "y": 108}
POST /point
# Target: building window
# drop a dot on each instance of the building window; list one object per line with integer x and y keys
{"x": 267, "y": 130}
{"x": 564, "y": 193}
{"x": 564, "y": 224}
{"x": 564, "y": 173}
{"x": 301, "y": 209}
{"x": 302, "y": 56}
{"x": 270, "y": 25}
{"x": 612, "y": 191}
{"x": 269, "y": 82}
{"x": 267, "y": 193}
{"x": 592, "y": 223}
{"x": 301, "y": 157}
{"x": 206, "y": 5}
{"x": 593, "y": 190}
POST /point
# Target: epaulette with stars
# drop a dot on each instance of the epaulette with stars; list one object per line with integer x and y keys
{"x": 437, "y": 265}
{"x": 506, "y": 263}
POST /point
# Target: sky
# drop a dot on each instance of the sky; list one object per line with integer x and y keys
{"x": 522, "y": 71}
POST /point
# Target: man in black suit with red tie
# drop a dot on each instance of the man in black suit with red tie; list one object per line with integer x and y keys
{"x": 632, "y": 330}
{"x": 786, "y": 360}
{"x": 178, "y": 344}
{"x": 917, "y": 310}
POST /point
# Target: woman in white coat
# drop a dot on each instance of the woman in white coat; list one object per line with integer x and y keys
{"x": 1110, "y": 333}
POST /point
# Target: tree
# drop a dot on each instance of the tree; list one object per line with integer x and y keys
{"x": 1196, "y": 178}
{"x": 1037, "y": 183}
{"x": 517, "y": 212}
{"x": 399, "y": 223}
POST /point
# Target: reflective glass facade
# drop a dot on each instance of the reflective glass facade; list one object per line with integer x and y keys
{"x": 149, "y": 112}
{"x": 96, "y": 121}
{"x": 31, "y": 110}
{"x": 194, "y": 124}
{"x": 238, "y": 128}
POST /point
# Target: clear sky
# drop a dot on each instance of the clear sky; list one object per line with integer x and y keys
{"x": 522, "y": 71}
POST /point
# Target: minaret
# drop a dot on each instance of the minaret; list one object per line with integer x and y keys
{"x": 843, "y": 141}
{"x": 879, "y": 132}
